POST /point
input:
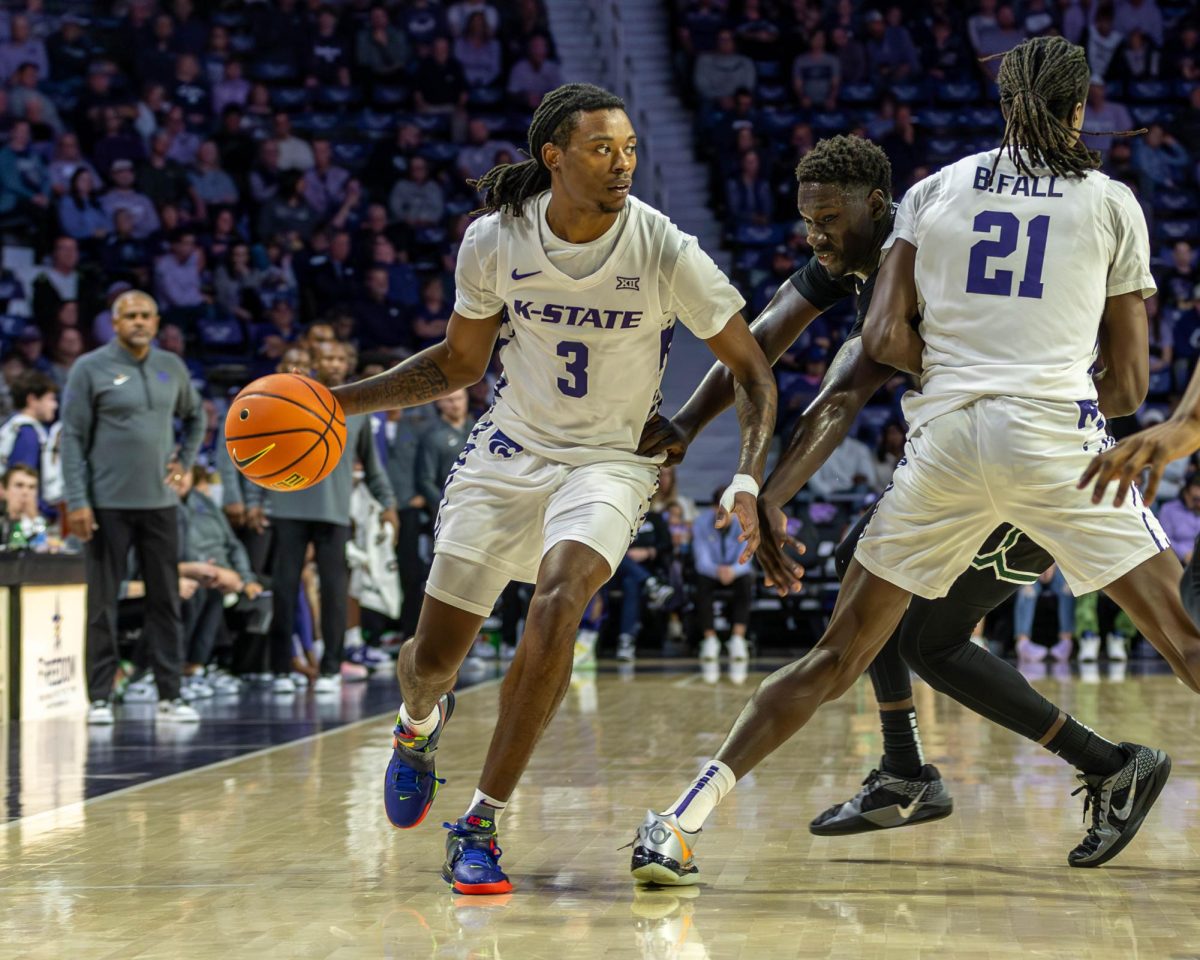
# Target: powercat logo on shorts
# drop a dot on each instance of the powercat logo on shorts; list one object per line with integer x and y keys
{"x": 503, "y": 446}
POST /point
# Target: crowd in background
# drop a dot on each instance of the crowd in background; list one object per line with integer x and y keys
{"x": 289, "y": 180}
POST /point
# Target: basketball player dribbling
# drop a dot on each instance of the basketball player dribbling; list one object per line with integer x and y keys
{"x": 844, "y": 201}
{"x": 1004, "y": 424}
{"x": 549, "y": 487}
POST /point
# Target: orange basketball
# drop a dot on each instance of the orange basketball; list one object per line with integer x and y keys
{"x": 285, "y": 432}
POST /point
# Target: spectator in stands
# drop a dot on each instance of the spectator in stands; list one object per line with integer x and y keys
{"x": 288, "y": 212}
{"x": 1180, "y": 518}
{"x": 757, "y": 36}
{"x": 328, "y": 60}
{"x": 232, "y": 89}
{"x": 207, "y": 538}
{"x": 668, "y": 493}
{"x": 325, "y": 184}
{"x": 118, "y": 142}
{"x": 1073, "y": 19}
{"x": 852, "y": 57}
{"x": 1142, "y": 16}
{"x": 1026, "y": 607}
{"x": 891, "y": 53}
{"x": 945, "y": 59}
{"x": 642, "y": 575}
{"x": 80, "y": 213}
{"x": 816, "y": 75}
{"x": 294, "y": 152}
{"x": 1162, "y": 348}
{"x": 334, "y": 278}
{"x": 161, "y": 179}
{"x": 217, "y": 53}
{"x": 29, "y": 348}
{"x": 184, "y": 144}
{"x": 416, "y": 199}
{"x": 156, "y": 61}
{"x": 237, "y": 284}
{"x": 1006, "y": 34}
{"x": 423, "y": 20}
{"x": 1103, "y": 41}
{"x": 479, "y": 53}
{"x": 26, "y": 100}
{"x": 97, "y": 96}
{"x": 319, "y": 516}
{"x": 402, "y": 278}
{"x": 69, "y": 49}
{"x": 189, "y": 91}
{"x": 1177, "y": 285}
{"x": 439, "y": 446}
{"x": 432, "y": 313}
{"x": 1137, "y": 59}
{"x": 1104, "y": 114}
{"x": 716, "y": 555}
{"x": 273, "y": 337}
{"x": 458, "y": 17}
{"x": 67, "y": 159}
{"x": 25, "y": 437}
{"x": 177, "y": 275}
{"x": 1161, "y": 160}
{"x": 850, "y": 469}
{"x": 721, "y": 74}
{"x": 380, "y": 322}
{"x": 1183, "y": 53}
{"x": 748, "y": 196}
{"x": 68, "y": 347}
{"x": 402, "y": 433}
{"x": 903, "y": 148}
{"x": 21, "y": 504}
{"x": 478, "y": 156}
{"x": 888, "y": 453}
{"x": 440, "y": 87}
{"x": 117, "y": 447}
{"x": 704, "y": 21}
{"x": 21, "y": 48}
{"x": 382, "y": 50}
{"x": 24, "y": 180}
{"x": 56, "y": 281}
{"x": 266, "y": 173}
{"x": 211, "y": 185}
{"x": 123, "y": 254}
{"x": 122, "y": 196}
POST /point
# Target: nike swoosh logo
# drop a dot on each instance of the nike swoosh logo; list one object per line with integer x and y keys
{"x": 117, "y": 381}
{"x": 1125, "y": 812}
{"x": 251, "y": 460}
{"x": 522, "y": 276}
{"x": 906, "y": 812}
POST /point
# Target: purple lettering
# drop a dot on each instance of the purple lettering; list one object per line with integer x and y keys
{"x": 521, "y": 308}
{"x": 1022, "y": 187}
{"x": 552, "y": 313}
{"x": 572, "y": 313}
{"x": 1000, "y": 182}
{"x": 591, "y": 316}
{"x": 983, "y": 177}
{"x": 611, "y": 316}
{"x": 1050, "y": 189}
{"x": 632, "y": 319}
{"x": 1036, "y": 181}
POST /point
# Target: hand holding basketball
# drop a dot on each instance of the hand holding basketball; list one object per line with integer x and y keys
{"x": 285, "y": 432}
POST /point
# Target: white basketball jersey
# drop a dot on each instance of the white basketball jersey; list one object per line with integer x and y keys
{"x": 583, "y": 358}
{"x": 1012, "y": 272}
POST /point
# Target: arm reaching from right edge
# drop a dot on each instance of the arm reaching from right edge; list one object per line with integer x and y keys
{"x": 458, "y": 361}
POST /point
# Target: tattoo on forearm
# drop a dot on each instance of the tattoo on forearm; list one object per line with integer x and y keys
{"x": 415, "y": 381}
{"x": 756, "y": 418}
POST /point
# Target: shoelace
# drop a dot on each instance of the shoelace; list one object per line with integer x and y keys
{"x": 1094, "y": 801}
{"x": 483, "y": 858}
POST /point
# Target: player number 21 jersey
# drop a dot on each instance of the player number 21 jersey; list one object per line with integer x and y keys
{"x": 1012, "y": 272}
{"x": 583, "y": 358}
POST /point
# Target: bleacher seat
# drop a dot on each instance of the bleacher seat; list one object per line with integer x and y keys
{"x": 377, "y": 125}
{"x": 351, "y": 154}
{"x": 964, "y": 92}
{"x": 934, "y": 118}
{"x": 1148, "y": 90}
{"x": 289, "y": 99}
{"x": 1145, "y": 114}
{"x": 780, "y": 121}
{"x": 858, "y": 94}
{"x": 1175, "y": 202}
{"x": 341, "y": 97}
{"x": 915, "y": 93}
{"x": 270, "y": 70}
{"x": 830, "y": 122}
{"x": 768, "y": 70}
{"x": 759, "y": 235}
{"x": 389, "y": 95}
{"x": 220, "y": 334}
{"x": 773, "y": 92}
{"x": 1171, "y": 231}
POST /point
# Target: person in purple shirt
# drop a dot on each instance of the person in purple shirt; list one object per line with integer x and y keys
{"x": 1180, "y": 518}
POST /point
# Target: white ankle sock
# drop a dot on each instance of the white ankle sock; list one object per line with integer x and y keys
{"x": 353, "y": 637}
{"x": 494, "y": 807}
{"x": 701, "y": 797}
{"x": 423, "y": 727}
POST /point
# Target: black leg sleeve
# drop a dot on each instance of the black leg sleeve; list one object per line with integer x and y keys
{"x": 330, "y": 542}
{"x": 158, "y": 552}
{"x": 935, "y": 639}
{"x": 291, "y": 539}
{"x": 105, "y": 561}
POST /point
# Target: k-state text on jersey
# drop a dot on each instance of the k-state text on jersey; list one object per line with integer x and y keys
{"x": 1017, "y": 186}
{"x": 575, "y": 316}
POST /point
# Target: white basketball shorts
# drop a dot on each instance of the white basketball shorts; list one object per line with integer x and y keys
{"x": 997, "y": 460}
{"x": 504, "y": 508}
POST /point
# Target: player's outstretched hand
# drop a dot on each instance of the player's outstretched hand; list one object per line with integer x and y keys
{"x": 661, "y": 435}
{"x": 745, "y": 508}
{"x": 781, "y": 572}
{"x": 1153, "y": 448}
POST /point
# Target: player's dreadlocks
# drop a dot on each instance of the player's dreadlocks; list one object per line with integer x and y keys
{"x": 509, "y": 185}
{"x": 847, "y": 162}
{"x": 1041, "y": 80}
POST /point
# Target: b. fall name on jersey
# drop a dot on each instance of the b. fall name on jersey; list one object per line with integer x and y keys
{"x": 573, "y": 316}
{"x": 1015, "y": 186}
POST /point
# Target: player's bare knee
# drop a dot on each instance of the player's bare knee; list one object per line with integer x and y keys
{"x": 558, "y": 606}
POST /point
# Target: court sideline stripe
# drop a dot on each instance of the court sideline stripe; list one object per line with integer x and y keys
{"x": 78, "y": 805}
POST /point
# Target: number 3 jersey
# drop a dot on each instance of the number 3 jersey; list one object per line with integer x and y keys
{"x": 583, "y": 358}
{"x": 1012, "y": 273}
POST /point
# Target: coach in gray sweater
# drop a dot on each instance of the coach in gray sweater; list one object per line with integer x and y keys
{"x": 319, "y": 515}
{"x": 122, "y": 473}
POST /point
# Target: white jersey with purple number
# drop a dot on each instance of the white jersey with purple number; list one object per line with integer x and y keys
{"x": 1012, "y": 274}
{"x": 589, "y": 325}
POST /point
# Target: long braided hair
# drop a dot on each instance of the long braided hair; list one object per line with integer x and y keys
{"x": 1041, "y": 80}
{"x": 509, "y": 185}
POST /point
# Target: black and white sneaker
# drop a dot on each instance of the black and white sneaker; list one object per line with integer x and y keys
{"x": 886, "y": 801}
{"x": 1119, "y": 803}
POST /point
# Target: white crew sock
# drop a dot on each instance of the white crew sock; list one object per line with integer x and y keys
{"x": 702, "y": 796}
{"x": 353, "y": 637}
{"x": 421, "y": 728}
{"x": 481, "y": 803}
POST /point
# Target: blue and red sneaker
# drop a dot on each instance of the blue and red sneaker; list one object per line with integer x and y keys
{"x": 411, "y": 783}
{"x": 472, "y": 857}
